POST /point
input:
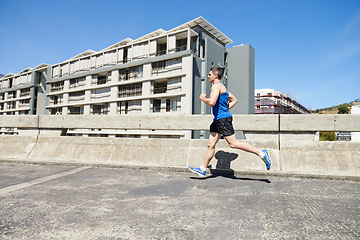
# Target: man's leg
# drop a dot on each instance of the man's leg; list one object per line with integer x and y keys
{"x": 264, "y": 154}
{"x": 234, "y": 143}
{"x": 213, "y": 139}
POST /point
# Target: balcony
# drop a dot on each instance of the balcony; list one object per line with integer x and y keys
{"x": 161, "y": 52}
{"x": 158, "y": 90}
{"x": 181, "y": 48}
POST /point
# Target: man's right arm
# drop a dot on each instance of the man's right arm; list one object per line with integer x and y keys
{"x": 211, "y": 101}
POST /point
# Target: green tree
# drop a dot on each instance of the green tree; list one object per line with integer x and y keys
{"x": 327, "y": 136}
{"x": 343, "y": 109}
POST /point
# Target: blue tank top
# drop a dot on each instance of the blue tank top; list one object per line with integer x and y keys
{"x": 221, "y": 109}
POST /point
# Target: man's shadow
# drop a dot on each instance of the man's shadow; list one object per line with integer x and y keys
{"x": 223, "y": 168}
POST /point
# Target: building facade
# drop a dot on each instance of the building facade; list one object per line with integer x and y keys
{"x": 269, "y": 101}
{"x": 162, "y": 72}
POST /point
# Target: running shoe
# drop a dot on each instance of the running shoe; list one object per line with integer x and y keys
{"x": 267, "y": 158}
{"x": 198, "y": 171}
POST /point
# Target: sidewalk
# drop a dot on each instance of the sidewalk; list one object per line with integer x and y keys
{"x": 68, "y": 202}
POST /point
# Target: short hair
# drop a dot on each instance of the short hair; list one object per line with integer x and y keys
{"x": 217, "y": 71}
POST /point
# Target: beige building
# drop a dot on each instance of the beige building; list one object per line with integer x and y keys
{"x": 162, "y": 72}
{"x": 269, "y": 101}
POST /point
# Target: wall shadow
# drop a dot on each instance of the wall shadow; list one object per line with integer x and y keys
{"x": 223, "y": 168}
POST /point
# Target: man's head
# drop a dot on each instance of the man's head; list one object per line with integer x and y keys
{"x": 217, "y": 72}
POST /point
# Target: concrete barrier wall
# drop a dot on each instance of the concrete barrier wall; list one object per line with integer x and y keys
{"x": 293, "y": 151}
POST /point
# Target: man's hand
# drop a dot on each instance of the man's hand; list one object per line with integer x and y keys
{"x": 202, "y": 96}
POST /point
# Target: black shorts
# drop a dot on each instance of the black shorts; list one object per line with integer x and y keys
{"x": 223, "y": 126}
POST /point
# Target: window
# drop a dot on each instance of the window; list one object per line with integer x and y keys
{"x": 57, "y": 99}
{"x": 55, "y": 111}
{"x": 77, "y": 96}
{"x": 130, "y": 90}
{"x": 25, "y": 92}
{"x": 125, "y": 56}
{"x": 167, "y": 105}
{"x": 156, "y": 105}
{"x": 126, "y": 107}
{"x": 123, "y": 107}
{"x": 76, "y": 110}
{"x": 25, "y": 112}
{"x": 12, "y": 95}
{"x": 101, "y": 80}
{"x": 174, "y": 105}
{"x": 166, "y": 67}
{"x": 24, "y": 103}
{"x": 181, "y": 44}
{"x": 58, "y": 86}
{"x": 158, "y": 65}
{"x": 160, "y": 87}
{"x": 100, "y": 93}
{"x": 11, "y": 105}
{"x": 77, "y": 82}
{"x": 161, "y": 49}
{"x": 100, "y": 109}
{"x": 130, "y": 73}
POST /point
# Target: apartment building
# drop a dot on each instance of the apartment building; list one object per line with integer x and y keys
{"x": 269, "y": 101}
{"x": 162, "y": 72}
{"x": 19, "y": 92}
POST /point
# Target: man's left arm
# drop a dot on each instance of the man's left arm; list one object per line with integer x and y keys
{"x": 232, "y": 101}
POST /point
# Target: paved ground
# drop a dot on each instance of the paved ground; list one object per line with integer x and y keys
{"x": 64, "y": 202}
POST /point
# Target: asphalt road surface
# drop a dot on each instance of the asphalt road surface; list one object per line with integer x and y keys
{"x": 72, "y": 202}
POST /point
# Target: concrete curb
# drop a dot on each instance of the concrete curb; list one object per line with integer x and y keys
{"x": 216, "y": 172}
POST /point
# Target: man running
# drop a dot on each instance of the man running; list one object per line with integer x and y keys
{"x": 221, "y": 102}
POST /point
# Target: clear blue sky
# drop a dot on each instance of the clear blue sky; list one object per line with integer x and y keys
{"x": 309, "y": 49}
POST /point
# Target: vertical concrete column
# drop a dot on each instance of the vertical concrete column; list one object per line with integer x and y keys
{"x": 171, "y": 43}
{"x": 66, "y": 97}
{"x": 148, "y": 49}
{"x": 66, "y": 84}
{"x": 114, "y": 91}
{"x": 88, "y": 80}
{"x": 130, "y": 52}
{"x": 65, "y": 111}
{"x": 32, "y": 100}
{"x": 203, "y": 85}
{"x": 167, "y": 44}
{"x": 188, "y": 39}
{"x": 163, "y": 105}
{"x": 197, "y": 46}
{"x": 17, "y": 102}
{"x": 87, "y": 107}
{"x": 201, "y": 50}
{"x": 6, "y": 95}
{"x": 241, "y": 77}
{"x": 152, "y": 48}
{"x": 186, "y": 82}
{"x": 18, "y": 92}
{"x": 146, "y": 89}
